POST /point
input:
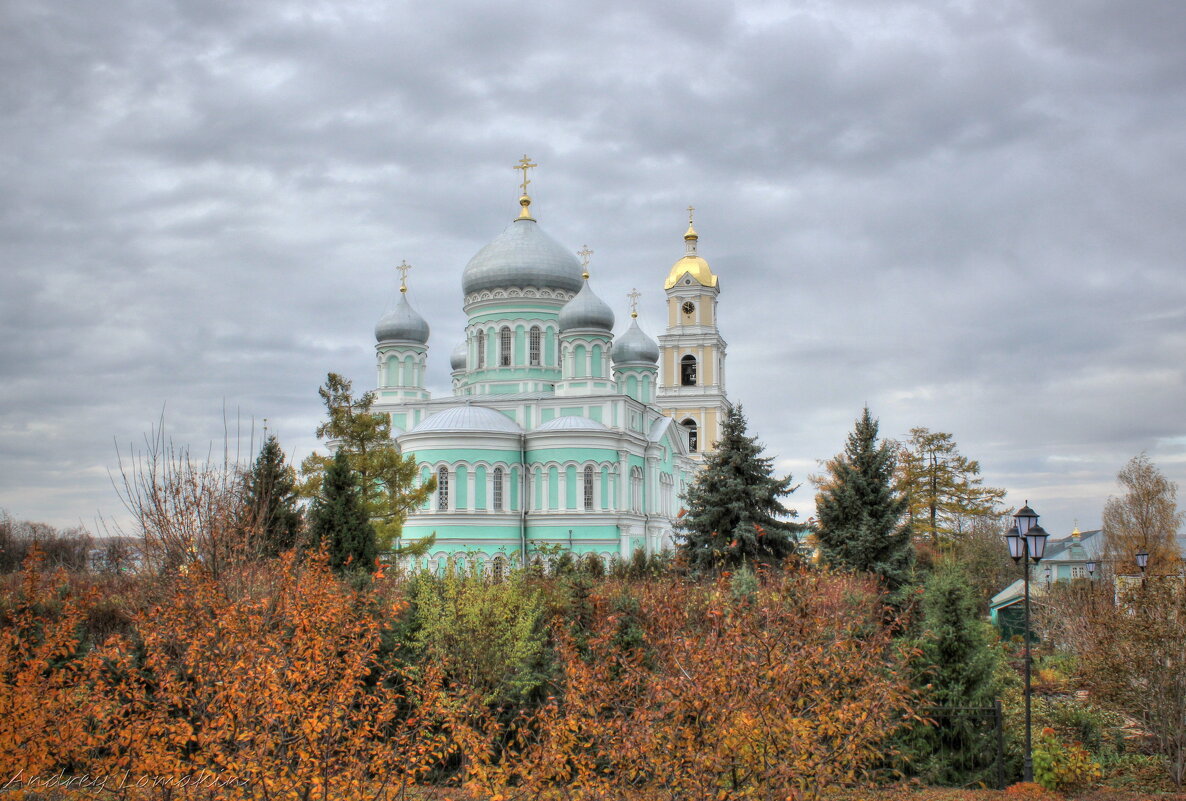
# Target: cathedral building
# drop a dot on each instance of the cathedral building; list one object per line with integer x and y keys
{"x": 558, "y": 435}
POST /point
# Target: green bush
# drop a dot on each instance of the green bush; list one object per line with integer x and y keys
{"x": 1060, "y": 766}
{"x": 488, "y": 636}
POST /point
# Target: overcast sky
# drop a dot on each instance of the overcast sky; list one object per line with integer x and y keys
{"x": 969, "y": 215}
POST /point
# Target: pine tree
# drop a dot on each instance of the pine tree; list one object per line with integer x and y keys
{"x": 270, "y": 501}
{"x": 957, "y": 666}
{"x": 339, "y": 520}
{"x": 859, "y": 511}
{"x": 733, "y": 505}
{"x": 389, "y": 480}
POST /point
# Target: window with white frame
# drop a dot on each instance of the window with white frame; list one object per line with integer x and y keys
{"x": 535, "y": 352}
{"x": 496, "y": 490}
{"x": 636, "y": 489}
{"x": 588, "y": 488}
{"x": 504, "y": 347}
{"x": 481, "y": 349}
{"x": 443, "y": 489}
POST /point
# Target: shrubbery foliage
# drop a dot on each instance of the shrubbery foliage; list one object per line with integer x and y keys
{"x": 307, "y": 686}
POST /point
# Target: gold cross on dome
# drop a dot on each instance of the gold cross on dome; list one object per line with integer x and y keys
{"x": 634, "y": 295}
{"x": 403, "y": 268}
{"x": 691, "y": 211}
{"x": 524, "y": 165}
{"x": 585, "y": 253}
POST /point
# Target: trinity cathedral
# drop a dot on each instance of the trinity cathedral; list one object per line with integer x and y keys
{"x": 559, "y": 435}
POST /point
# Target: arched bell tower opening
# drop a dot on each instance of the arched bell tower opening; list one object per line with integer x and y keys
{"x": 687, "y": 371}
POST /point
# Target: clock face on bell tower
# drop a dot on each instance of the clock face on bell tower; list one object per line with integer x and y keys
{"x": 689, "y": 308}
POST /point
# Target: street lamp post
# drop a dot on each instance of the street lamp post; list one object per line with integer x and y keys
{"x": 1027, "y": 543}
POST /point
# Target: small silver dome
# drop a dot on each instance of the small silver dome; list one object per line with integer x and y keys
{"x": 586, "y": 310}
{"x": 522, "y": 255}
{"x": 635, "y": 346}
{"x": 402, "y": 324}
{"x": 458, "y": 358}
{"x": 572, "y": 423}
{"x": 468, "y": 418}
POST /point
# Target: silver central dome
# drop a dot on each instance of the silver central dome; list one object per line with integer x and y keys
{"x": 522, "y": 255}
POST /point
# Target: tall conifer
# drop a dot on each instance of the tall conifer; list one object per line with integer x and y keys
{"x": 734, "y": 512}
{"x": 860, "y": 514}
{"x": 339, "y": 519}
{"x": 270, "y": 502}
{"x": 957, "y": 668}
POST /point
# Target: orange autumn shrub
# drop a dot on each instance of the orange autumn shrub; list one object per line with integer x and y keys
{"x": 279, "y": 694}
{"x": 41, "y": 721}
{"x": 787, "y": 695}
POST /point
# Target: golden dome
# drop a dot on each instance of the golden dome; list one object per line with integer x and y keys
{"x": 695, "y": 265}
{"x": 690, "y": 263}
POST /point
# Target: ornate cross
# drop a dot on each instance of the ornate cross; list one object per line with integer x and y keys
{"x": 524, "y": 165}
{"x": 634, "y": 295}
{"x": 585, "y": 253}
{"x": 403, "y": 268}
{"x": 691, "y": 210}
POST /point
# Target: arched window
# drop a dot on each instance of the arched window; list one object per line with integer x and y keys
{"x": 666, "y": 485}
{"x": 504, "y": 347}
{"x": 687, "y": 371}
{"x": 498, "y": 567}
{"x": 636, "y": 489}
{"x": 481, "y": 349}
{"x": 443, "y": 489}
{"x": 533, "y": 346}
{"x": 496, "y": 492}
{"x": 580, "y": 367}
{"x": 690, "y": 424}
{"x": 588, "y": 488}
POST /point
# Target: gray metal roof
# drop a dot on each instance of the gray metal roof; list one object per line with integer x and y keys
{"x": 586, "y": 310}
{"x": 635, "y": 346}
{"x": 459, "y": 355}
{"x": 522, "y": 255}
{"x": 402, "y": 324}
{"x": 469, "y": 418}
{"x": 573, "y": 423}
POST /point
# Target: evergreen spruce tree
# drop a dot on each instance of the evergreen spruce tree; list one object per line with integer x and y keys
{"x": 860, "y": 513}
{"x": 339, "y": 519}
{"x": 271, "y": 513}
{"x": 957, "y": 666}
{"x": 733, "y": 505}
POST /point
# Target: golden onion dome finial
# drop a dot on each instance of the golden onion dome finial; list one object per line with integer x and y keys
{"x": 525, "y": 164}
{"x": 585, "y": 253}
{"x": 691, "y": 264}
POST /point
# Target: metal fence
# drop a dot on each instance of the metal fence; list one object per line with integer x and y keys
{"x": 972, "y": 737}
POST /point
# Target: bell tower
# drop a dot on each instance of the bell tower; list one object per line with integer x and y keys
{"x": 692, "y": 365}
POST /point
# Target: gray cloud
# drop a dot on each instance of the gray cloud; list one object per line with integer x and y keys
{"x": 965, "y": 215}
